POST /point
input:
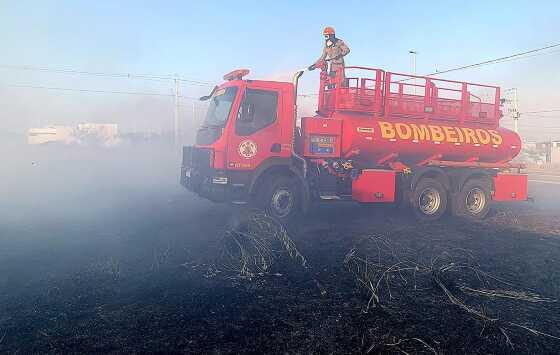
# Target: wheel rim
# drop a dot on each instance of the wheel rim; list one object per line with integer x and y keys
{"x": 429, "y": 201}
{"x": 475, "y": 201}
{"x": 282, "y": 202}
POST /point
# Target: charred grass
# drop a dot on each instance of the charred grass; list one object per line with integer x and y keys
{"x": 348, "y": 280}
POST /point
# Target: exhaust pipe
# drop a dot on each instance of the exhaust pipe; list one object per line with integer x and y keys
{"x": 295, "y": 82}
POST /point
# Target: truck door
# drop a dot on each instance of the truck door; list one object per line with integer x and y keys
{"x": 257, "y": 133}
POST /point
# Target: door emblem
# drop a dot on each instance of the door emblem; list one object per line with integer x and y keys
{"x": 247, "y": 149}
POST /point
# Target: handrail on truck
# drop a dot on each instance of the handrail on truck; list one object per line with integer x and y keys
{"x": 336, "y": 94}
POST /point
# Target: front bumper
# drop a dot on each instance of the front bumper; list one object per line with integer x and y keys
{"x": 216, "y": 185}
{"x": 201, "y": 184}
{"x": 198, "y": 176}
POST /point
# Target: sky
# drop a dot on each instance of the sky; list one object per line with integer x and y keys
{"x": 202, "y": 40}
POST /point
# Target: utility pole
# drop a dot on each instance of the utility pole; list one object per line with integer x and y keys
{"x": 193, "y": 121}
{"x": 516, "y": 113}
{"x": 193, "y": 114}
{"x": 513, "y": 109}
{"x": 414, "y": 53}
{"x": 176, "y": 121}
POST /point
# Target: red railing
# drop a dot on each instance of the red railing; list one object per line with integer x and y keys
{"x": 358, "y": 94}
{"x": 397, "y": 95}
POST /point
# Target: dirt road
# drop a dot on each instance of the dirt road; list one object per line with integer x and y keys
{"x": 544, "y": 186}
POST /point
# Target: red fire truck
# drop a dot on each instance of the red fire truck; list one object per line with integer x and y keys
{"x": 430, "y": 144}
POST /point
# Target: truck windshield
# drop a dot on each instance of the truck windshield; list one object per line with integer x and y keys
{"x": 220, "y": 106}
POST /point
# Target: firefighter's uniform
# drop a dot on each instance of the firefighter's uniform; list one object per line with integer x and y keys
{"x": 335, "y": 53}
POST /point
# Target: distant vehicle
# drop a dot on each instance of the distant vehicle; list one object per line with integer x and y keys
{"x": 378, "y": 137}
{"x": 51, "y": 134}
{"x": 104, "y": 134}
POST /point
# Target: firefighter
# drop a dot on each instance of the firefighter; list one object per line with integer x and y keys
{"x": 335, "y": 49}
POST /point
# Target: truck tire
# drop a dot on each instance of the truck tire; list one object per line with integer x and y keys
{"x": 429, "y": 199}
{"x": 282, "y": 198}
{"x": 473, "y": 200}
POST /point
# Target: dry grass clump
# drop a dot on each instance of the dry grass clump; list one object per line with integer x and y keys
{"x": 381, "y": 269}
{"x": 254, "y": 246}
{"x": 406, "y": 346}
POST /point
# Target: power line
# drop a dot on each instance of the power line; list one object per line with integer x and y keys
{"x": 532, "y": 119}
{"x": 496, "y": 60}
{"x": 99, "y": 91}
{"x": 540, "y": 111}
{"x": 105, "y": 74}
{"x": 113, "y": 91}
{"x": 538, "y": 124}
{"x": 538, "y": 128}
{"x": 207, "y": 83}
{"x": 525, "y": 57}
{"x": 532, "y": 116}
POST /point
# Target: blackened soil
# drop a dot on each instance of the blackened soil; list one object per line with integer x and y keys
{"x": 140, "y": 283}
{"x": 132, "y": 276}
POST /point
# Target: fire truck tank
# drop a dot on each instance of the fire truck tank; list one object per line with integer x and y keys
{"x": 413, "y": 142}
{"x": 387, "y": 118}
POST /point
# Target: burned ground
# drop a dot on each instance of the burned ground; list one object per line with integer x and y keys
{"x": 106, "y": 253}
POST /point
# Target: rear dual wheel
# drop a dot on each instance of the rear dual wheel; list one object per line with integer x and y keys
{"x": 429, "y": 199}
{"x": 473, "y": 200}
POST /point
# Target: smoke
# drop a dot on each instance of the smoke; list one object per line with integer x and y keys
{"x": 66, "y": 207}
{"x": 72, "y": 182}
{"x": 23, "y": 109}
{"x": 307, "y": 89}
{"x": 285, "y": 76}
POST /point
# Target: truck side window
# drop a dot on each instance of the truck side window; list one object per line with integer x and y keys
{"x": 258, "y": 110}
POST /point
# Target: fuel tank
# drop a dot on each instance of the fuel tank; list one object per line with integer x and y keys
{"x": 413, "y": 141}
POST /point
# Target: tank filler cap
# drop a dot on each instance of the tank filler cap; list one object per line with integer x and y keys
{"x": 237, "y": 74}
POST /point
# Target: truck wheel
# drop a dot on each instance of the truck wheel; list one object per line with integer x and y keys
{"x": 473, "y": 201}
{"x": 429, "y": 199}
{"x": 282, "y": 199}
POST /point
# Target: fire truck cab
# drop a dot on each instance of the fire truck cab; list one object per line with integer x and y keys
{"x": 247, "y": 132}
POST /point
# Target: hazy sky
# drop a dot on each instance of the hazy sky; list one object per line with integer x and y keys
{"x": 204, "y": 39}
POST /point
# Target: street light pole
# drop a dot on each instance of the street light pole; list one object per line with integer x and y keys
{"x": 413, "y": 68}
{"x": 176, "y": 115}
